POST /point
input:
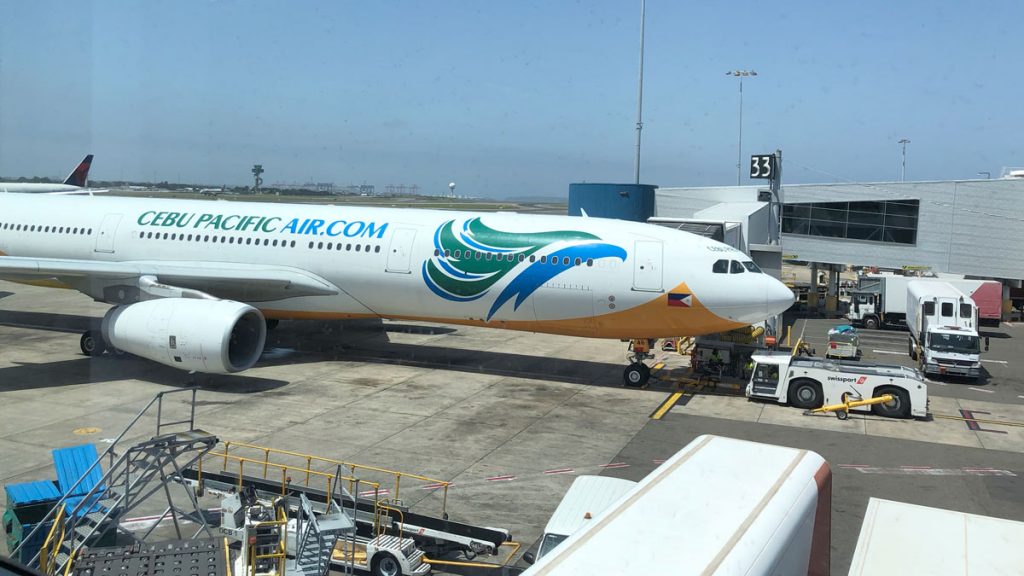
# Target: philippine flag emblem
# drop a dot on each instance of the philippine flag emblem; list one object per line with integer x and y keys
{"x": 679, "y": 299}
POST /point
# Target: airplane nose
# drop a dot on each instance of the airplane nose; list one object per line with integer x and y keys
{"x": 778, "y": 297}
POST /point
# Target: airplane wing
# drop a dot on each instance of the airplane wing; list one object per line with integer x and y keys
{"x": 230, "y": 281}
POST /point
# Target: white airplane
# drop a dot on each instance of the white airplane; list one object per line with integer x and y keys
{"x": 77, "y": 181}
{"x": 195, "y": 283}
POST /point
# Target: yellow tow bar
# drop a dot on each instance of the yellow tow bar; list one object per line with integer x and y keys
{"x": 843, "y": 410}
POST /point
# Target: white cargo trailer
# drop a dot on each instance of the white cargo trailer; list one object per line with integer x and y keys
{"x": 881, "y": 300}
{"x": 899, "y": 538}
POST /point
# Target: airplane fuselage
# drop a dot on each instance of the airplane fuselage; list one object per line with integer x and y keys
{"x": 36, "y": 187}
{"x": 555, "y": 274}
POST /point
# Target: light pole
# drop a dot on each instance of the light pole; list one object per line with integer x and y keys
{"x": 640, "y": 90}
{"x": 739, "y": 140}
{"x": 903, "y": 162}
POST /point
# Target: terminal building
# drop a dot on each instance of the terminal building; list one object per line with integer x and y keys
{"x": 972, "y": 228}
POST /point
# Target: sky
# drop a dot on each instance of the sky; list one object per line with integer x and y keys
{"x": 508, "y": 98}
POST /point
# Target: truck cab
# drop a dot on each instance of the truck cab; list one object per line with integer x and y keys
{"x": 950, "y": 350}
{"x": 865, "y": 308}
{"x": 586, "y": 498}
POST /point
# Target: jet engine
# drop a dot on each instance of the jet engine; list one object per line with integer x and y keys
{"x": 212, "y": 336}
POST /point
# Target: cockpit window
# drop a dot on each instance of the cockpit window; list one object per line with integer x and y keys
{"x": 720, "y": 267}
{"x": 735, "y": 267}
{"x": 752, "y": 267}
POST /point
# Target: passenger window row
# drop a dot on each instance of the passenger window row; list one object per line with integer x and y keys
{"x": 214, "y": 239}
{"x": 45, "y": 229}
{"x": 343, "y": 246}
{"x": 734, "y": 267}
{"x": 471, "y": 255}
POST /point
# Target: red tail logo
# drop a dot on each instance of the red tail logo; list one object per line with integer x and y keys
{"x": 80, "y": 175}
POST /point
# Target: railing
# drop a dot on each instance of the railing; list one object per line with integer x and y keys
{"x": 46, "y": 555}
{"x": 381, "y": 506}
{"x": 330, "y": 480}
{"x": 309, "y": 471}
{"x": 109, "y": 453}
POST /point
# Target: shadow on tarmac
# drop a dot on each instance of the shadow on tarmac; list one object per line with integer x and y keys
{"x": 367, "y": 341}
{"x": 88, "y": 370}
{"x": 297, "y": 342}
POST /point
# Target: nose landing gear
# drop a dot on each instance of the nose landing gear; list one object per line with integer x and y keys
{"x": 637, "y": 373}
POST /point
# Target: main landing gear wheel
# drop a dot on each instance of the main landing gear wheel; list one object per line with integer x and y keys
{"x": 92, "y": 343}
{"x": 636, "y": 375}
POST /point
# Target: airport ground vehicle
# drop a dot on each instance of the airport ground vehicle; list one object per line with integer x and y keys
{"x": 943, "y": 325}
{"x": 583, "y": 502}
{"x": 900, "y": 538}
{"x": 813, "y": 382}
{"x": 843, "y": 342}
{"x": 304, "y": 542}
{"x": 881, "y": 300}
{"x": 775, "y": 518}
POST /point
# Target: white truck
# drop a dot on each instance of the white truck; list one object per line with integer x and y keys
{"x": 814, "y": 382}
{"x": 881, "y": 300}
{"x": 899, "y": 538}
{"x": 585, "y": 500}
{"x": 943, "y": 324}
{"x": 768, "y": 512}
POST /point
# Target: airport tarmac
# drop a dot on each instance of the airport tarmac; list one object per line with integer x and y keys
{"x": 509, "y": 418}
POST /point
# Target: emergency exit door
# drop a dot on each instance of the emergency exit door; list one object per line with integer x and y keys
{"x": 400, "y": 251}
{"x": 105, "y": 235}
{"x": 647, "y": 266}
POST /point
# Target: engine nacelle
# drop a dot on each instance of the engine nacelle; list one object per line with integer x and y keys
{"x": 212, "y": 336}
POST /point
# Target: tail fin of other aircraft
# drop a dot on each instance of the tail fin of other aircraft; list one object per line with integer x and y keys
{"x": 80, "y": 175}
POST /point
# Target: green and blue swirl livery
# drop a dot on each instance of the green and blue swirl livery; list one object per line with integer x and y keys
{"x": 470, "y": 259}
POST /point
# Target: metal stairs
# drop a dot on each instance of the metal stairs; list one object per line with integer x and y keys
{"x": 141, "y": 471}
{"x": 316, "y": 538}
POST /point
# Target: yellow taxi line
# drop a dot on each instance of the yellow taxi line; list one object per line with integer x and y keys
{"x": 666, "y": 405}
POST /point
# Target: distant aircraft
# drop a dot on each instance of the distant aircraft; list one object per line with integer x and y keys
{"x": 193, "y": 283}
{"x": 77, "y": 181}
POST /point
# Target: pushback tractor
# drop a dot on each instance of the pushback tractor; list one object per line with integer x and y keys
{"x": 813, "y": 382}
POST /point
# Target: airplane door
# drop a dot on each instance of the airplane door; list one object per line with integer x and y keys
{"x": 647, "y": 266}
{"x": 400, "y": 251}
{"x": 105, "y": 235}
